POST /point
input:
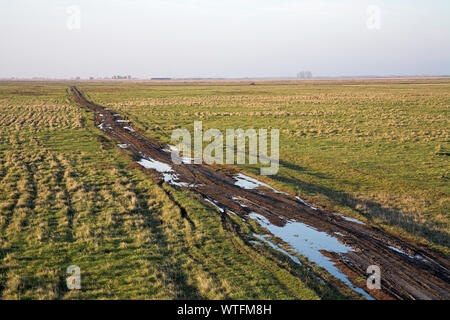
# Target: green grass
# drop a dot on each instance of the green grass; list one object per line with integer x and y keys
{"x": 69, "y": 196}
{"x": 367, "y": 148}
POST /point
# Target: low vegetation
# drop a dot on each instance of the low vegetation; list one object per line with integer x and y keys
{"x": 68, "y": 196}
{"x": 374, "y": 149}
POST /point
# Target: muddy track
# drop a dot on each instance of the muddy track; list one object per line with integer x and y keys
{"x": 408, "y": 271}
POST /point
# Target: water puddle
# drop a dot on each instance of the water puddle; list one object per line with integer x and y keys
{"x": 305, "y": 203}
{"x": 419, "y": 257}
{"x": 308, "y": 242}
{"x": 166, "y": 171}
{"x": 129, "y": 129}
{"x": 122, "y": 145}
{"x": 237, "y": 200}
{"x": 161, "y": 167}
{"x": 402, "y": 252}
{"x": 215, "y": 205}
{"x": 348, "y": 218}
{"x": 263, "y": 239}
{"x": 245, "y": 182}
{"x": 185, "y": 160}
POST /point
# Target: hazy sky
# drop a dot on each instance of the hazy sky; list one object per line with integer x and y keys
{"x": 223, "y": 38}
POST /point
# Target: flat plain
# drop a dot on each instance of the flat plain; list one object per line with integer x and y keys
{"x": 375, "y": 150}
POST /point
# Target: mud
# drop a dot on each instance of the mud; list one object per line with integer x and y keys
{"x": 408, "y": 270}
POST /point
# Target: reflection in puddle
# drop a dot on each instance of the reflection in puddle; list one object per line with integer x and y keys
{"x": 246, "y": 182}
{"x": 185, "y": 160}
{"x": 156, "y": 165}
{"x": 263, "y": 239}
{"x": 166, "y": 170}
{"x": 237, "y": 200}
{"x": 308, "y": 242}
{"x": 348, "y": 218}
{"x": 215, "y": 205}
{"x": 305, "y": 203}
{"x": 400, "y": 251}
{"x": 163, "y": 168}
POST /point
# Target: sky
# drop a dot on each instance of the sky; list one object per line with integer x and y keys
{"x": 223, "y": 38}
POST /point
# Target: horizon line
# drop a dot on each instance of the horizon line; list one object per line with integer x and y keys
{"x": 131, "y": 78}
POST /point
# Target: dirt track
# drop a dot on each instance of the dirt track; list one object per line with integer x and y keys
{"x": 408, "y": 271}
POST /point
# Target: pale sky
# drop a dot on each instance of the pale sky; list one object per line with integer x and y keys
{"x": 223, "y": 38}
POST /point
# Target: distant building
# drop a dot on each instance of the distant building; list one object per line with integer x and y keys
{"x": 119, "y": 77}
{"x": 304, "y": 75}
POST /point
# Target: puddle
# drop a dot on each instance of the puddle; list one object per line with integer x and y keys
{"x": 122, "y": 121}
{"x": 263, "y": 239}
{"x": 245, "y": 182}
{"x": 185, "y": 160}
{"x": 215, "y": 205}
{"x": 161, "y": 167}
{"x": 348, "y": 218}
{"x": 238, "y": 216}
{"x": 122, "y": 145}
{"x": 400, "y": 251}
{"x": 166, "y": 171}
{"x": 237, "y": 200}
{"x": 419, "y": 257}
{"x": 305, "y": 203}
{"x": 308, "y": 242}
{"x": 129, "y": 129}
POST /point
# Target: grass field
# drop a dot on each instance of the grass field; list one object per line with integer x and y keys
{"x": 373, "y": 150}
{"x": 68, "y": 196}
